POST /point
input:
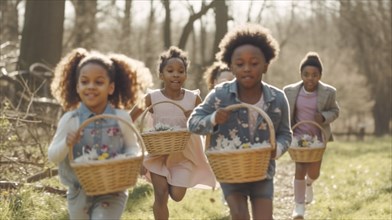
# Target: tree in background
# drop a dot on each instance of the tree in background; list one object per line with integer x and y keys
{"x": 126, "y": 36}
{"x": 84, "y": 34}
{"x": 167, "y": 24}
{"x": 366, "y": 28}
{"x": 221, "y": 19}
{"x": 42, "y": 33}
{"x": 9, "y": 20}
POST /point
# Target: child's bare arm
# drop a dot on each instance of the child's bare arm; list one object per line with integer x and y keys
{"x": 136, "y": 111}
{"x": 197, "y": 102}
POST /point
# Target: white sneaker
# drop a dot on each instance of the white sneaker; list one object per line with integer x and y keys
{"x": 299, "y": 211}
{"x": 309, "y": 194}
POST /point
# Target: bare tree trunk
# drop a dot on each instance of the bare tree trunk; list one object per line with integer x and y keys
{"x": 126, "y": 37}
{"x": 149, "y": 55}
{"x": 85, "y": 24}
{"x": 189, "y": 25}
{"x": 42, "y": 33}
{"x": 221, "y": 19}
{"x": 9, "y": 21}
{"x": 203, "y": 42}
{"x": 167, "y": 26}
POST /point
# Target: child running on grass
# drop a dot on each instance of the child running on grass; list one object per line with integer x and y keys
{"x": 248, "y": 51}
{"x": 172, "y": 174}
{"x": 88, "y": 84}
{"x": 310, "y": 99}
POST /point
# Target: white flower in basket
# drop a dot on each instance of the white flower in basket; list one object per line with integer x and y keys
{"x": 93, "y": 154}
{"x": 164, "y": 127}
{"x": 235, "y": 144}
{"x": 306, "y": 141}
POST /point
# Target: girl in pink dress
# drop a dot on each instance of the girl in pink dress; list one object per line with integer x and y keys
{"x": 172, "y": 174}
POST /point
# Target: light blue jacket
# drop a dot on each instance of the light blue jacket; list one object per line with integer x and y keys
{"x": 275, "y": 105}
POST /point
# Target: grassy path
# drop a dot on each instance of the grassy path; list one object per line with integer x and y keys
{"x": 355, "y": 183}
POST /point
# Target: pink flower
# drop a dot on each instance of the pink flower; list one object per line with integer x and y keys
{"x": 112, "y": 131}
{"x": 93, "y": 132}
{"x": 105, "y": 148}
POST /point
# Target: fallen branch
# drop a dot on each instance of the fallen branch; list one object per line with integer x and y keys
{"x": 42, "y": 175}
{"x": 6, "y": 185}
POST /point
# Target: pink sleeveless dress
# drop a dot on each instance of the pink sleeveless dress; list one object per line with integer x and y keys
{"x": 190, "y": 167}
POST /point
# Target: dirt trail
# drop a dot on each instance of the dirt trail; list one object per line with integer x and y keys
{"x": 283, "y": 199}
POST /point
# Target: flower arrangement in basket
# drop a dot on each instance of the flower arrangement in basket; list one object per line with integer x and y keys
{"x": 236, "y": 162}
{"x": 307, "y": 148}
{"x": 100, "y": 171}
{"x": 164, "y": 139}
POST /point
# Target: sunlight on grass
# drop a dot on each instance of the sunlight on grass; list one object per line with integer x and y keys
{"x": 197, "y": 204}
{"x": 355, "y": 182}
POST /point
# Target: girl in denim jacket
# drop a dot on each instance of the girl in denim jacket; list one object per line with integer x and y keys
{"x": 88, "y": 84}
{"x": 248, "y": 52}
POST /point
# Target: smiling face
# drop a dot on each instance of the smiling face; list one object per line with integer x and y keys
{"x": 94, "y": 87}
{"x": 248, "y": 64}
{"x": 310, "y": 76}
{"x": 173, "y": 74}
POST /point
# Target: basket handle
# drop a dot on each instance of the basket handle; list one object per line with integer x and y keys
{"x": 149, "y": 107}
{"x": 89, "y": 120}
{"x": 323, "y": 133}
{"x": 258, "y": 110}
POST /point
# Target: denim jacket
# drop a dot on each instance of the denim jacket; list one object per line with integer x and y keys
{"x": 70, "y": 121}
{"x": 275, "y": 105}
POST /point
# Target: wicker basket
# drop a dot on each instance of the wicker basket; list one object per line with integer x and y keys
{"x": 242, "y": 165}
{"x": 164, "y": 142}
{"x": 308, "y": 154}
{"x": 107, "y": 176}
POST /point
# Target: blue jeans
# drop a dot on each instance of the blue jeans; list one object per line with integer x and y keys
{"x": 260, "y": 189}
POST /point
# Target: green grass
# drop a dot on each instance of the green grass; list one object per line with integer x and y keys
{"x": 355, "y": 183}
{"x": 197, "y": 204}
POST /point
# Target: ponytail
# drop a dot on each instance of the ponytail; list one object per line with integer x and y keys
{"x": 63, "y": 86}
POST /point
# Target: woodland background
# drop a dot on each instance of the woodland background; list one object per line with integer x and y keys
{"x": 353, "y": 39}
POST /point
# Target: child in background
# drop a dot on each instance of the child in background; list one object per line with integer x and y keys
{"x": 172, "y": 174}
{"x": 214, "y": 75}
{"x": 310, "y": 99}
{"x": 217, "y": 73}
{"x": 88, "y": 84}
{"x": 248, "y": 51}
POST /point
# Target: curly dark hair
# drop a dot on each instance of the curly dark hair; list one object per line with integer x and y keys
{"x": 172, "y": 52}
{"x": 213, "y": 72}
{"x": 119, "y": 69}
{"x": 253, "y": 34}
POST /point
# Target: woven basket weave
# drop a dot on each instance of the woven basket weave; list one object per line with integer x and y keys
{"x": 100, "y": 177}
{"x": 164, "y": 142}
{"x": 242, "y": 165}
{"x": 308, "y": 154}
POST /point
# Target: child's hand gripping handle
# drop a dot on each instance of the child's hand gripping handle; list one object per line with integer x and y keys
{"x": 263, "y": 114}
{"x": 151, "y": 106}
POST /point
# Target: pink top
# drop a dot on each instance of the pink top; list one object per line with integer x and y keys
{"x": 189, "y": 168}
{"x": 306, "y": 108}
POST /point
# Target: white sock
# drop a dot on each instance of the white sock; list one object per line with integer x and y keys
{"x": 299, "y": 191}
